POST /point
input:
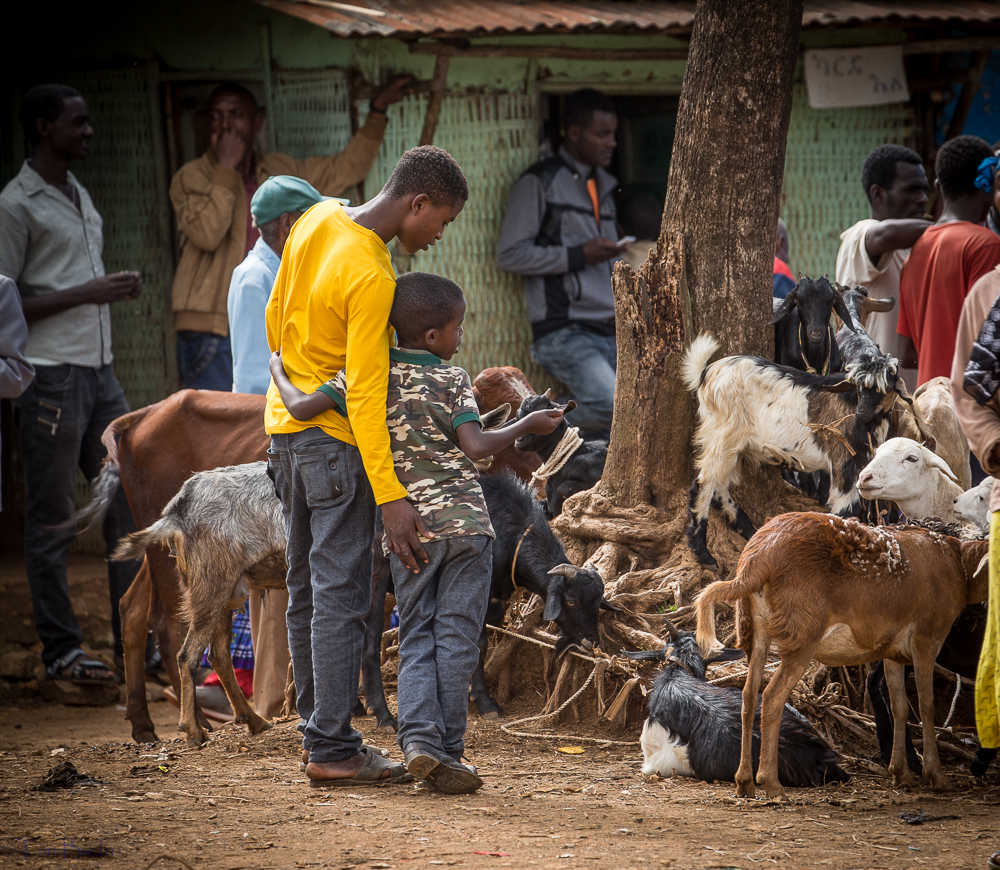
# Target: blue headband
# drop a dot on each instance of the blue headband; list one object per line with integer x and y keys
{"x": 984, "y": 176}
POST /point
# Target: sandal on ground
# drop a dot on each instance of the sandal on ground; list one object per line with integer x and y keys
{"x": 76, "y": 668}
{"x": 369, "y": 774}
{"x": 993, "y": 862}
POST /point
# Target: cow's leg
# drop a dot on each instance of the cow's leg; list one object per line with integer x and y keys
{"x": 923, "y": 671}
{"x": 134, "y": 608}
{"x": 895, "y": 677}
{"x": 757, "y": 656}
{"x": 221, "y": 659}
{"x": 789, "y": 672}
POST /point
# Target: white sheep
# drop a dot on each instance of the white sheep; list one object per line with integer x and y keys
{"x": 973, "y": 505}
{"x": 916, "y": 479}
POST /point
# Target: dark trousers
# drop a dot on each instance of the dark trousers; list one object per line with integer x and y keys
{"x": 60, "y": 419}
{"x": 329, "y": 512}
{"x": 204, "y": 361}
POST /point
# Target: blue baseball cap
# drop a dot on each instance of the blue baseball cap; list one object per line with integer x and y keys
{"x": 284, "y": 193}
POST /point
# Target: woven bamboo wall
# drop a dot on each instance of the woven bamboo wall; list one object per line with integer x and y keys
{"x": 311, "y": 113}
{"x": 822, "y": 188}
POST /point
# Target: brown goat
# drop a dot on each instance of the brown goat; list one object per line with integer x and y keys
{"x": 493, "y": 388}
{"x": 843, "y": 593}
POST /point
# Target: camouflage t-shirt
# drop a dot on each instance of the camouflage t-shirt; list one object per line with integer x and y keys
{"x": 428, "y": 400}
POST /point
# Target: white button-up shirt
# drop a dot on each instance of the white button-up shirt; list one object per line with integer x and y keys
{"x": 47, "y": 244}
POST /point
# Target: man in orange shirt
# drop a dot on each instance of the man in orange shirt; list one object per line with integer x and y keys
{"x": 947, "y": 259}
{"x": 329, "y": 310}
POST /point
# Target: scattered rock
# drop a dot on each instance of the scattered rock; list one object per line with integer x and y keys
{"x": 76, "y": 695}
{"x": 19, "y": 664}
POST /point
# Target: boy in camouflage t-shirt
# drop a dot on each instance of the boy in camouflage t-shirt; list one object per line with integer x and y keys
{"x": 435, "y": 433}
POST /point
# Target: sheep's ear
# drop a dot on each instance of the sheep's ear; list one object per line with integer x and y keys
{"x": 841, "y": 308}
{"x": 497, "y": 417}
{"x": 569, "y": 406}
{"x": 553, "y": 601}
{"x": 789, "y": 302}
{"x": 607, "y": 605}
{"x": 942, "y": 466}
{"x": 725, "y": 655}
{"x": 844, "y": 386}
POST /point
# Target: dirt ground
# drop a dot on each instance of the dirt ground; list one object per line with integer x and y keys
{"x": 241, "y": 802}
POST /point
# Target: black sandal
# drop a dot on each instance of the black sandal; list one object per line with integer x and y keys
{"x": 75, "y": 667}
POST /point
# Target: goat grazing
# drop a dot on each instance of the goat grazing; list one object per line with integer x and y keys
{"x": 915, "y": 478}
{"x": 831, "y": 589}
{"x": 693, "y": 726}
{"x": 527, "y": 554}
{"x": 758, "y": 411}
{"x": 803, "y": 333}
{"x": 225, "y": 529}
{"x": 973, "y": 505}
{"x": 569, "y": 464}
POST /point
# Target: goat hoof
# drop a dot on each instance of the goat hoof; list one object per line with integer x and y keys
{"x": 146, "y": 737}
{"x": 389, "y": 724}
{"x": 262, "y": 725}
{"x": 198, "y": 740}
{"x": 940, "y": 782}
{"x": 775, "y": 794}
{"x": 746, "y": 790}
{"x": 490, "y": 714}
{"x": 906, "y": 778}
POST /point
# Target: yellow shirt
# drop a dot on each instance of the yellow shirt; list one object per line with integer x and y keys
{"x": 329, "y": 310}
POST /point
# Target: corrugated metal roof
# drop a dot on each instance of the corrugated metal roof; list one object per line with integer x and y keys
{"x": 414, "y": 18}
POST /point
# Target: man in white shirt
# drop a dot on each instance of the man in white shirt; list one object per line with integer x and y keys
{"x": 873, "y": 251}
{"x": 51, "y": 246}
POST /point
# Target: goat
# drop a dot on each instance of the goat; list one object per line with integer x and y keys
{"x": 973, "y": 505}
{"x": 527, "y": 554}
{"x": 758, "y": 411}
{"x": 494, "y": 387}
{"x": 915, "y": 478}
{"x": 803, "y": 334}
{"x": 831, "y": 589}
{"x": 855, "y": 343}
{"x": 693, "y": 726}
{"x": 569, "y": 464}
{"x": 226, "y": 531}
{"x": 934, "y": 414}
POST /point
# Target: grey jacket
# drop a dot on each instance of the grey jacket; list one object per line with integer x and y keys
{"x": 549, "y": 217}
{"x": 15, "y": 371}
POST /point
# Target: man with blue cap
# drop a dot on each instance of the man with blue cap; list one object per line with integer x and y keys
{"x": 278, "y": 203}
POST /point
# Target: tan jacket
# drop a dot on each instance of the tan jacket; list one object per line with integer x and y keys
{"x": 210, "y": 206}
{"x": 981, "y": 424}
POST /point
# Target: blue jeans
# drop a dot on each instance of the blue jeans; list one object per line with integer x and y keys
{"x": 441, "y": 613}
{"x": 60, "y": 420}
{"x": 204, "y": 361}
{"x": 329, "y": 512}
{"x": 586, "y": 363}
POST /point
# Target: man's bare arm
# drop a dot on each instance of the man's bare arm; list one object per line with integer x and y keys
{"x": 478, "y": 444}
{"x": 108, "y": 288}
{"x": 893, "y": 235}
{"x": 302, "y": 406}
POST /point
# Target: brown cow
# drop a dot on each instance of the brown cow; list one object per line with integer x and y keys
{"x": 160, "y": 446}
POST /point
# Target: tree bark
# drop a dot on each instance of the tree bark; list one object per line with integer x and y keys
{"x": 711, "y": 271}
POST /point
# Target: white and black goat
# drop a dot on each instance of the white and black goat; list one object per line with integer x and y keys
{"x": 757, "y": 411}
{"x": 569, "y": 464}
{"x": 803, "y": 331}
{"x": 694, "y": 728}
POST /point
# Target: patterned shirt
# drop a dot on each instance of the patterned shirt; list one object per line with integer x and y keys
{"x": 427, "y": 401}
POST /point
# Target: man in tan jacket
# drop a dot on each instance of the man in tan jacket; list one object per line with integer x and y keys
{"x": 211, "y": 198}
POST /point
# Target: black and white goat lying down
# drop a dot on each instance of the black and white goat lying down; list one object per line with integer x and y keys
{"x": 760, "y": 412}
{"x": 694, "y": 728}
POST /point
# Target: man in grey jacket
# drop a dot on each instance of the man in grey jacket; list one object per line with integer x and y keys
{"x": 560, "y": 232}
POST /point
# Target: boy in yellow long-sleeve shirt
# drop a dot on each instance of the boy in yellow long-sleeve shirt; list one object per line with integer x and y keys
{"x": 329, "y": 310}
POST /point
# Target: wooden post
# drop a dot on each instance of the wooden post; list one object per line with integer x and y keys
{"x": 437, "y": 98}
{"x": 976, "y": 66}
{"x": 265, "y": 63}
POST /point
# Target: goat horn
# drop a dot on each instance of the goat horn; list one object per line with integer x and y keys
{"x": 564, "y": 570}
{"x": 672, "y": 629}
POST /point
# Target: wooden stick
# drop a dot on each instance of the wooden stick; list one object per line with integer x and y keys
{"x": 618, "y": 705}
{"x": 553, "y": 700}
{"x": 559, "y": 51}
{"x": 436, "y": 100}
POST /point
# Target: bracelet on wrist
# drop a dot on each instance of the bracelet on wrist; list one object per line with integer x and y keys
{"x": 372, "y": 108}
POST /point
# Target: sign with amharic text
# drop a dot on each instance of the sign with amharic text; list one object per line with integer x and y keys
{"x": 840, "y": 77}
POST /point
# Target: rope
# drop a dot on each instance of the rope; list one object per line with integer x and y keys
{"x": 954, "y": 701}
{"x": 517, "y": 550}
{"x": 567, "y": 446}
{"x": 829, "y": 348}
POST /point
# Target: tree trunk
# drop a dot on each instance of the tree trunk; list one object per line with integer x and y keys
{"x": 711, "y": 271}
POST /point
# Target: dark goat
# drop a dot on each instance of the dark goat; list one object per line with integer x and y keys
{"x": 579, "y": 472}
{"x": 803, "y": 332}
{"x": 855, "y": 342}
{"x": 573, "y": 596}
{"x": 694, "y": 728}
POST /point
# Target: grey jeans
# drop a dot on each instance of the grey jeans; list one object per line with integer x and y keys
{"x": 329, "y": 515}
{"x": 441, "y": 613}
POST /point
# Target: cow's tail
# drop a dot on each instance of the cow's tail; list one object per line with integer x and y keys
{"x": 106, "y": 484}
